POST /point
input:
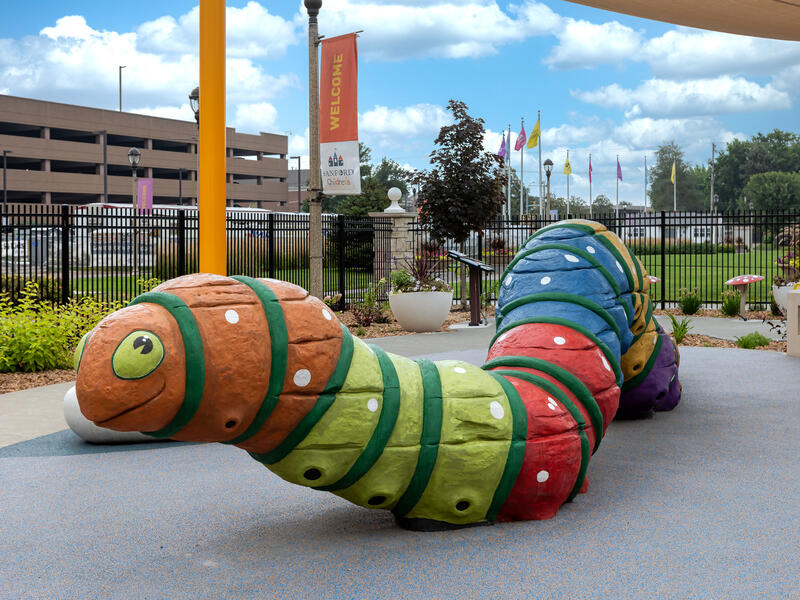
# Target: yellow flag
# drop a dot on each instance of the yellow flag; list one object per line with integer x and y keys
{"x": 534, "y": 137}
{"x": 567, "y": 167}
{"x": 672, "y": 178}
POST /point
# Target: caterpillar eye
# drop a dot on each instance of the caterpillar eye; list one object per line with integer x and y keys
{"x": 76, "y": 357}
{"x": 138, "y": 355}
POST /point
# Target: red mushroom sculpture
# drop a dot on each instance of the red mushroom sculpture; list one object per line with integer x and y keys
{"x": 740, "y": 282}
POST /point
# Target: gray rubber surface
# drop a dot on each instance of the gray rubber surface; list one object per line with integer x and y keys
{"x": 702, "y": 502}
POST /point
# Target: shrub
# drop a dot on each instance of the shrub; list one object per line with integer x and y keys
{"x": 47, "y": 288}
{"x": 679, "y": 328}
{"x": 689, "y": 301}
{"x": 369, "y": 311}
{"x": 496, "y": 242}
{"x": 752, "y": 340}
{"x": 36, "y": 335}
{"x": 730, "y": 303}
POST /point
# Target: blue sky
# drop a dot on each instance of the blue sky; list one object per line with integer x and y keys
{"x": 606, "y": 84}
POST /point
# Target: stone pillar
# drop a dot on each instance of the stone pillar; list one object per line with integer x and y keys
{"x": 400, "y": 247}
{"x": 793, "y": 323}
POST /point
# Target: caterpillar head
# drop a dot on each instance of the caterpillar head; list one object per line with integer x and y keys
{"x": 131, "y": 370}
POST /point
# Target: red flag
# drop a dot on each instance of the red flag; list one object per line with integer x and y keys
{"x": 520, "y": 139}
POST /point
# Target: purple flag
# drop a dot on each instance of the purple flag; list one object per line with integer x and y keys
{"x": 144, "y": 195}
{"x": 502, "y": 152}
{"x": 619, "y": 171}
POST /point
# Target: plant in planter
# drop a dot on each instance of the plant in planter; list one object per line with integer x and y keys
{"x": 789, "y": 264}
{"x": 419, "y": 300}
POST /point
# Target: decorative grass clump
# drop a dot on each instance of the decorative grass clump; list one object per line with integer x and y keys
{"x": 730, "y": 303}
{"x": 752, "y": 340}
{"x": 689, "y": 301}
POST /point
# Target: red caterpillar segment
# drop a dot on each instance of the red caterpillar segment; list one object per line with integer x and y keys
{"x": 552, "y": 458}
{"x": 569, "y": 349}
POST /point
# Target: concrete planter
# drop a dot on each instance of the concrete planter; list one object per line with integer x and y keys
{"x": 421, "y": 311}
{"x": 779, "y": 292}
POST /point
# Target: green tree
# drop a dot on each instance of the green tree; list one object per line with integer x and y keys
{"x": 773, "y": 191}
{"x": 602, "y": 205}
{"x": 689, "y": 192}
{"x": 729, "y": 180}
{"x": 463, "y": 191}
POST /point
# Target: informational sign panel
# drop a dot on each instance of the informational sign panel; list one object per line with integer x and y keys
{"x": 144, "y": 195}
{"x": 338, "y": 90}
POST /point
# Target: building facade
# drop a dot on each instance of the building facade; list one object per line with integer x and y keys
{"x": 65, "y": 154}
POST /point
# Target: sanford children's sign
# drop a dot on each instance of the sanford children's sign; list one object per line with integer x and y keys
{"x": 339, "y": 116}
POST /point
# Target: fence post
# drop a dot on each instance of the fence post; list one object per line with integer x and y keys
{"x": 181, "y": 243}
{"x": 271, "y": 245}
{"x": 663, "y": 259}
{"x": 65, "y": 238}
{"x": 340, "y": 255}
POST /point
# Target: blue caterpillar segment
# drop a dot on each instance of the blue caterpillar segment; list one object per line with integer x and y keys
{"x": 441, "y": 443}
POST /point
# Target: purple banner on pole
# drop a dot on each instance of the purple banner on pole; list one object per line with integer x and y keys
{"x": 144, "y": 195}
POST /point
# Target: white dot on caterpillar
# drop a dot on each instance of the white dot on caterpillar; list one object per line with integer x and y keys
{"x": 605, "y": 363}
{"x": 497, "y": 410}
{"x": 545, "y": 280}
{"x": 619, "y": 266}
{"x": 231, "y": 316}
{"x": 372, "y": 405}
{"x": 302, "y": 378}
{"x": 507, "y": 282}
{"x": 542, "y": 476}
{"x": 559, "y": 340}
{"x": 326, "y": 314}
{"x": 571, "y": 258}
{"x": 590, "y": 249}
{"x": 459, "y": 369}
{"x": 551, "y": 404}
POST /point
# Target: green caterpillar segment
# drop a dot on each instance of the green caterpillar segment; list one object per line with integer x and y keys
{"x": 383, "y": 430}
{"x": 572, "y": 383}
{"x": 321, "y": 406}
{"x": 612, "y": 359}
{"x": 195, "y": 359}
{"x": 559, "y": 395}
{"x": 516, "y": 450}
{"x": 322, "y": 458}
{"x": 279, "y": 342}
{"x": 429, "y": 438}
{"x": 477, "y": 429}
{"x": 384, "y": 484}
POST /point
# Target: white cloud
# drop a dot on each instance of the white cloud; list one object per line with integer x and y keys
{"x": 182, "y": 113}
{"x": 251, "y": 31}
{"x": 663, "y": 98}
{"x": 419, "y": 119}
{"x": 585, "y": 45}
{"x": 688, "y": 53}
{"x": 465, "y": 29}
{"x": 255, "y": 118}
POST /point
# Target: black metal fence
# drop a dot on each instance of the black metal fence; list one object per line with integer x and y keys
{"x": 114, "y": 253}
{"x": 685, "y": 251}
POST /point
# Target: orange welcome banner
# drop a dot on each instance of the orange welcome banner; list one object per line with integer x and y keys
{"x": 338, "y": 89}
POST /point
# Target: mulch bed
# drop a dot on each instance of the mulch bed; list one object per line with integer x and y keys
{"x": 12, "y": 382}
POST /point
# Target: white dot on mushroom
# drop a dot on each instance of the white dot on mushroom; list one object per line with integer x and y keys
{"x": 302, "y": 378}
{"x": 497, "y": 410}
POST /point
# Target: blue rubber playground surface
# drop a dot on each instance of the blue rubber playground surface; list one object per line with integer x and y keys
{"x": 702, "y": 502}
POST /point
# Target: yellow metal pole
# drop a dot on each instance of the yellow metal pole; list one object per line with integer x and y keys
{"x": 211, "y": 203}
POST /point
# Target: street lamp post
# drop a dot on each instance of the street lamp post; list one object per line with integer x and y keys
{"x": 315, "y": 183}
{"x": 194, "y": 104}
{"x": 120, "y": 86}
{"x": 134, "y": 156}
{"x": 5, "y": 175}
{"x": 299, "y": 201}
{"x": 548, "y": 168}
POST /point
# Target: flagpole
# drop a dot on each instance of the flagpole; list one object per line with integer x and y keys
{"x": 508, "y": 168}
{"x": 591, "y": 200}
{"x": 675, "y": 190}
{"x": 521, "y": 169}
{"x": 541, "y": 185}
{"x": 568, "y": 174}
{"x": 645, "y": 183}
{"x": 616, "y": 210}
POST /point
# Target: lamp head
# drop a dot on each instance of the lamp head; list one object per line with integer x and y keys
{"x": 134, "y": 156}
{"x": 194, "y": 102}
{"x": 313, "y": 6}
{"x": 548, "y": 166}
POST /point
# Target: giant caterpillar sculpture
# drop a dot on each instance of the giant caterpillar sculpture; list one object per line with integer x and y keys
{"x": 262, "y": 365}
